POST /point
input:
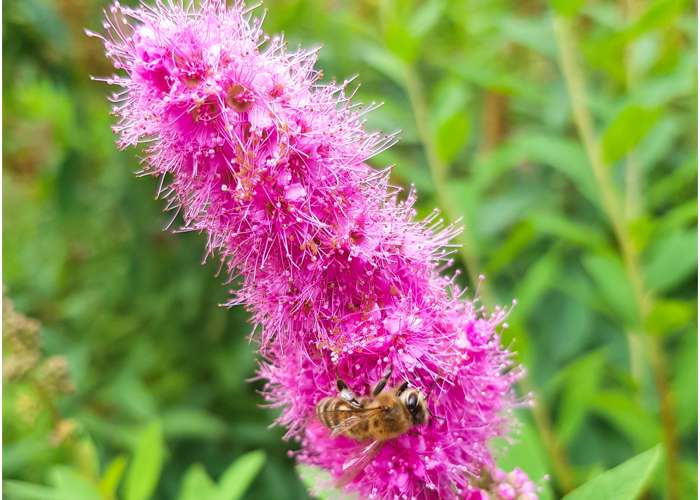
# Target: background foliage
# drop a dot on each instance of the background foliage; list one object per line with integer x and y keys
{"x": 587, "y": 213}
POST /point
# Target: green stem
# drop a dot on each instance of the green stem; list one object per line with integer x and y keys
{"x": 613, "y": 209}
{"x": 439, "y": 172}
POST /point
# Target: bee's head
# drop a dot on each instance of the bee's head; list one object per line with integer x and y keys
{"x": 415, "y": 404}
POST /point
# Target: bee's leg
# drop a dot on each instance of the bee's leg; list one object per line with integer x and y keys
{"x": 402, "y": 388}
{"x": 380, "y": 385}
{"x": 346, "y": 394}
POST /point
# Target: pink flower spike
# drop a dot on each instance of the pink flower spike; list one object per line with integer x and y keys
{"x": 339, "y": 277}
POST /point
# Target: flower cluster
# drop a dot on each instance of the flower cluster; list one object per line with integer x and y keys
{"x": 340, "y": 279}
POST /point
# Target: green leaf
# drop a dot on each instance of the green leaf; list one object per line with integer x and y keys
{"x": 144, "y": 471}
{"x": 385, "y": 63}
{"x": 612, "y": 282}
{"x": 449, "y": 119}
{"x": 582, "y": 383}
{"x": 667, "y": 316}
{"x": 626, "y": 130}
{"x": 235, "y": 480}
{"x": 659, "y": 14}
{"x": 193, "y": 423}
{"x": 628, "y": 417}
{"x": 671, "y": 260}
{"x": 69, "y": 481}
{"x": 112, "y": 476}
{"x": 562, "y": 154}
{"x": 452, "y": 135}
{"x": 624, "y": 482}
{"x": 21, "y": 490}
{"x": 528, "y": 453}
{"x": 426, "y": 17}
{"x": 320, "y": 484}
{"x": 197, "y": 484}
{"x": 86, "y": 457}
{"x": 685, "y": 381}
{"x": 568, "y": 229}
{"x": 567, "y": 8}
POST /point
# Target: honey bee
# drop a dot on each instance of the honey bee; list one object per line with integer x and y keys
{"x": 384, "y": 415}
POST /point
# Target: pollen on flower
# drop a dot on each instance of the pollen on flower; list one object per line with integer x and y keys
{"x": 340, "y": 278}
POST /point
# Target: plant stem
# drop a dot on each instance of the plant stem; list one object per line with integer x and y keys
{"x": 613, "y": 208}
{"x": 632, "y": 191}
{"x": 439, "y": 173}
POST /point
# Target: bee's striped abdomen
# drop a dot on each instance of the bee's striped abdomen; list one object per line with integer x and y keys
{"x": 333, "y": 411}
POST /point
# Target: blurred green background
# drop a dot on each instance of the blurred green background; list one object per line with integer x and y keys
{"x": 586, "y": 213}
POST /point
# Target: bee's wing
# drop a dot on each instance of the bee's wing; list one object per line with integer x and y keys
{"x": 355, "y": 465}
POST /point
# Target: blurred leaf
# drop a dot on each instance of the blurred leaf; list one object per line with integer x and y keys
{"x": 86, "y": 457}
{"x": 685, "y": 381}
{"x": 660, "y": 13}
{"x": 671, "y": 260}
{"x": 21, "y": 490}
{"x": 533, "y": 33}
{"x": 567, "y": 8}
{"x": 529, "y": 454}
{"x": 71, "y": 483}
{"x": 192, "y": 423}
{"x": 624, "y": 482}
{"x": 426, "y": 17}
{"x": 535, "y": 284}
{"x": 520, "y": 237}
{"x": 320, "y": 484}
{"x": 197, "y": 484}
{"x": 144, "y": 471}
{"x": 16, "y": 456}
{"x": 449, "y": 120}
{"x": 582, "y": 383}
{"x": 385, "y": 63}
{"x": 235, "y": 480}
{"x": 452, "y": 135}
{"x": 612, "y": 282}
{"x": 568, "y": 229}
{"x": 112, "y": 476}
{"x": 562, "y": 154}
{"x": 628, "y": 417}
{"x": 667, "y": 316}
{"x": 626, "y": 130}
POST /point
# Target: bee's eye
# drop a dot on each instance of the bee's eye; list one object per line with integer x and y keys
{"x": 412, "y": 401}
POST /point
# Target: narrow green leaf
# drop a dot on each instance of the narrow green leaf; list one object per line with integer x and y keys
{"x": 527, "y": 453}
{"x": 567, "y": 8}
{"x": 144, "y": 471}
{"x": 86, "y": 457}
{"x": 624, "y": 482}
{"x": 566, "y": 228}
{"x": 671, "y": 260}
{"x": 320, "y": 484}
{"x": 667, "y": 316}
{"x": 685, "y": 381}
{"x": 660, "y": 13}
{"x": 235, "y": 480}
{"x": 612, "y": 282}
{"x": 192, "y": 423}
{"x": 197, "y": 484}
{"x": 626, "y": 130}
{"x": 21, "y": 490}
{"x": 426, "y": 17}
{"x": 582, "y": 383}
{"x": 70, "y": 482}
{"x": 385, "y": 63}
{"x": 452, "y": 135}
{"x": 626, "y": 414}
{"x": 112, "y": 476}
